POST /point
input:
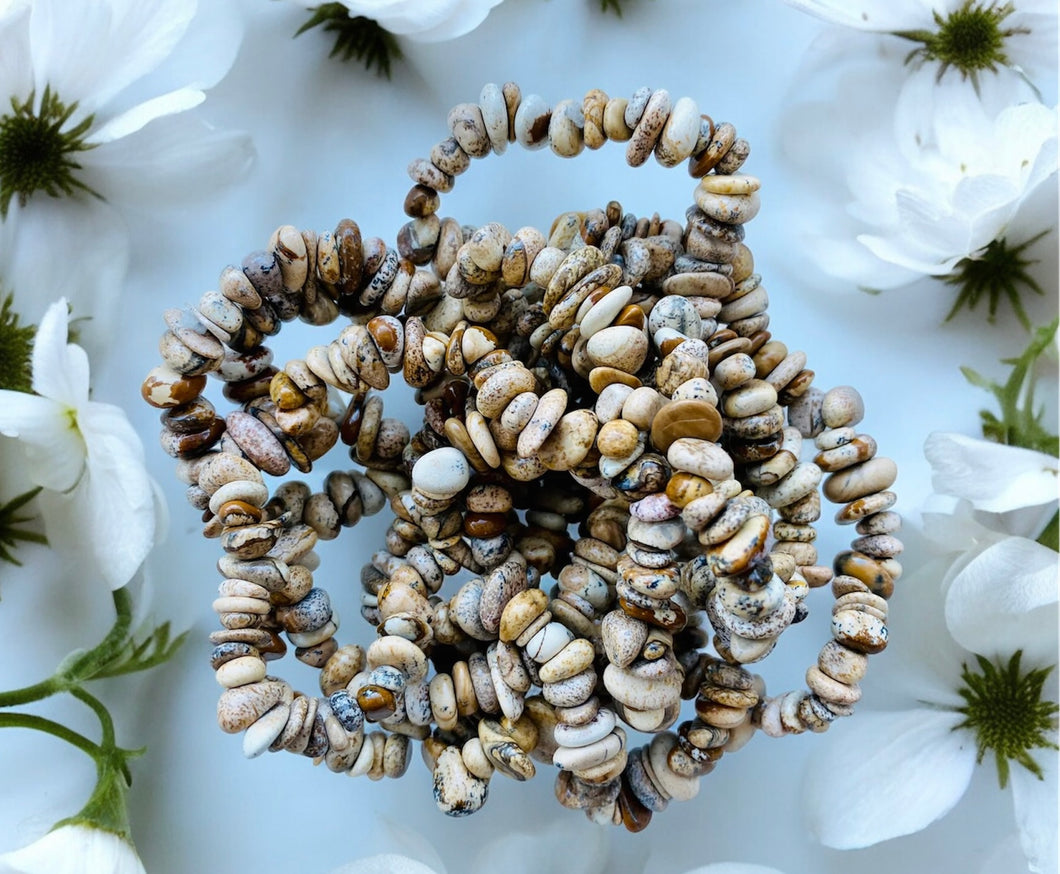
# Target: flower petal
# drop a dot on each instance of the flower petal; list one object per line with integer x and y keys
{"x": 1035, "y": 802}
{"x": 171, "y": 161}
{"x": 54, "y": 450}
{"x": 464, "y": 18}
{"x": 1005, "y": 599}
{"x": 91, "y": 50}
{"x": 115, "y": 501}
{"x": 887, "y": 774}
{"x": 60, "y": 369}
{"x": 385, "y": 863}
{"x": 993, "y": 477}
{"x": 869, "y": 14}
{"x": 84, "y": 232}
{"x": 74, "y": 849}
{"x": 568, "y": 845}
{"x": 133, "y": 119}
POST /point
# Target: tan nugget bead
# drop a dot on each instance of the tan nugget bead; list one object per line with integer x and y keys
{"x": 531, "y": 122}
{"x": 615, "y": 127}
{"x": 679, "y": 134}
{"x": 842, "y": 406}
{"x": 648, "y": 128}
{"x": 569, "y": 442}
{"x": 575, "y": 657}
{"x": 617, "y": 438}
{"x": 621, "y": 347}
{"x": 860, "y": 480}
{"x": 547, "y": 414}
{"x": 701, "y": 458}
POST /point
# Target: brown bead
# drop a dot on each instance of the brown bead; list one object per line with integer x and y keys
{"x": 376, "y": 702}
{"x": 683, "y": 488}
{"x": 350, "y": 424}
{"x": 193, "y": 416}
{"x": 690, "y": 418}
{"x": 635, "y": 816}
{"x": 166, "y": 388}
{"x": 421, "y": 201}
{"x": 248, "y": 389}
{"x": 233, "y": 513}
{"x": 868, "y": 570}
{"x": 351, "y": 258}
{"x": 751, "y": 451}
{"x": 632, "y": 316}
{"x": 285, "y": 393}
{"x": 484, "y": 525}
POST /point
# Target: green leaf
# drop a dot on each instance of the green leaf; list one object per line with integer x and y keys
{"x": 1021, "y": 420}
{"x": 10, "y": 533}
{"x": 998, "y": 271}
{"x": 355, "y": 37}
{"x": 142, "y": 655}
{"x": 614, "y": 6}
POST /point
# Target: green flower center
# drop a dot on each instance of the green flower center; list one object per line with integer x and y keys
{"x": 970, "y": 39}
{"x": 36, "y": 154}
{"x": 1006, "y": 711}
{"x": 999, "y": 270}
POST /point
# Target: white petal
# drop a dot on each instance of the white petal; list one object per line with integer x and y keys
{"x": 386, "y": 863}
{"x": 203, "y": 56}
{"x": 885, "y": 775}
{"x": 885, "y": 17}
{"x": 16, "y": 70}
{"x": 170, "y": 162}
{"x": 89, "y": 234}
{"x": 992, "y": 476}
{"x": 90, "y": 50}
{"x": 1005, "y": 599}
{"x": 133, "y": 119}
{"x": 464, "y": 18}
{"x": 574, "y": 846}
{"x": 1035, "y": 802}
{"x": 1007, "y": 855}
{"x": 54, "y": 449}
{"x": 74, "y": 849}
{"x": 60, "y": 369}
{"x": 115, "y": 501}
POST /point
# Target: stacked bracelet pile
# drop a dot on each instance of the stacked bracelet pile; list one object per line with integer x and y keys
{"x": 613, "y": 377}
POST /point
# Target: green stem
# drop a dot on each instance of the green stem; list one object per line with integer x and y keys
{"x": 39, "y": 723}
{"x": 79, "y": 666}
{"x": 106, "y": 722}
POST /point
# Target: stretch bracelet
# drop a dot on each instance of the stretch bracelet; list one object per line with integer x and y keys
{"x": 610, "y": 457}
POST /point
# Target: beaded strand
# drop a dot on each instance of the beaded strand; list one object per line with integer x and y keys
{"x": 615, "y": 374}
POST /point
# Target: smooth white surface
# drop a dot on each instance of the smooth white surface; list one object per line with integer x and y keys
{"x": 334, "y": 141}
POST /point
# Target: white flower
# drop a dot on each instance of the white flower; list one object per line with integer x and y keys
{"x": 912, "y": 193}
{"x": 424, "y": 20}
{"x": 103, "y": 87}
{"x": 1027, "y": 31}
{"x": 896, "y": 772}
{"x": 100, "y": 501}
{"x": 74, "y": 849}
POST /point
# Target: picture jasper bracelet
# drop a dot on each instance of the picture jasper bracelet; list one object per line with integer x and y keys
{"x": 610, "y": 454}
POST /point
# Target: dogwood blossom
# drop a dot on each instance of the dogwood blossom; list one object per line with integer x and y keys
{"x": 94, "y": 122}
{"x": 74, "y": 849}
{"x": 99, "y": 500}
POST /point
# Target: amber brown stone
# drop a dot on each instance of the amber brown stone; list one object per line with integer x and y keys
{"x": 233, "y": 512}
{"x": 868, "y": 570}
{"x": 162, "y": 392}
{"x": 376, "y": 702}
{"x": 484, "y": 524}
{"x": 632, "y": 316}
{"x": 635, "y": 816}
{"x": 693, "y": 418}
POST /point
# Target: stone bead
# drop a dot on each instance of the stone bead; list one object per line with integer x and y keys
{"x": 240, "y": 707}
{"x": 457, "y": 792}
{"x": 569, "y": 442}
{"x": 842, "y": 406}
{"x": 532, "y": 122}
{"x": 548, "y": 642}
{"x": 685, "y": 419}
{"x": 679, "y": 134}
{"x": 647, "y": 128}
{"x": 700, "y": 457}
{"x": 599, "y": 726}
{"x": 441, "y": 473}
{"x": 861, "y": 480}
{"x": 575, "y": 657}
